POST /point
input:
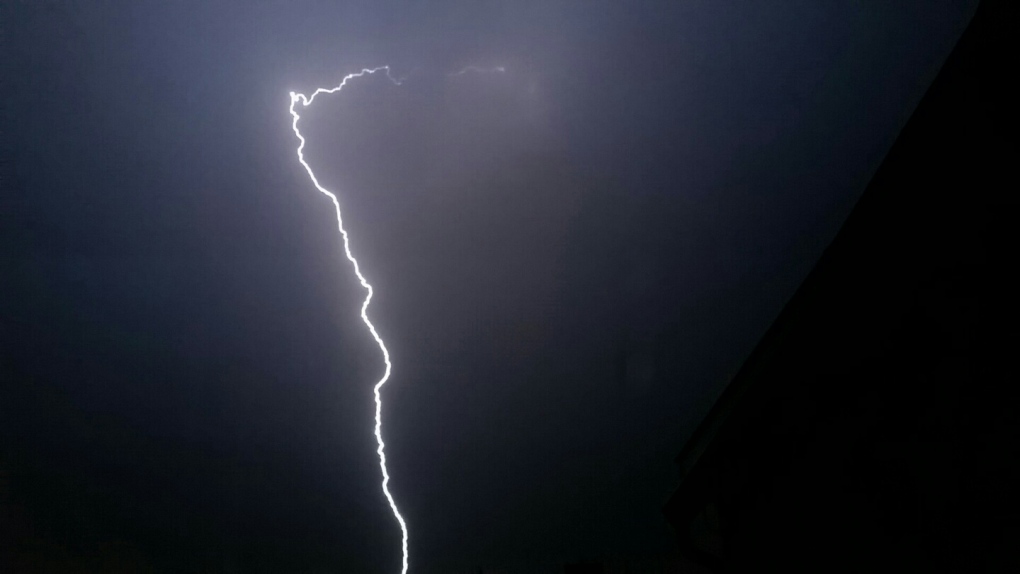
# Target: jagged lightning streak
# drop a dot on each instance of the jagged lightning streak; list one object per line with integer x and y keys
{"x": 305, "y": 101}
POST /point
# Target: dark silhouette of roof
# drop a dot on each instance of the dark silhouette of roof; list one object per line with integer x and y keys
{"x": 874, "y": 427}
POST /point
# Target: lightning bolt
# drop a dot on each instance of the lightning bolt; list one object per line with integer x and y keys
{"x": 305, "y": 101}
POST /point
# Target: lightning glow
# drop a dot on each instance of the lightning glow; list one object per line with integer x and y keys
{"x": 306, "y": 101}
{"x": 478, "y": 70}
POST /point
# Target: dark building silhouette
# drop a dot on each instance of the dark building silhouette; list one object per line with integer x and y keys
{"x": 583, "y": 568}
{"x": 875, "y": 426}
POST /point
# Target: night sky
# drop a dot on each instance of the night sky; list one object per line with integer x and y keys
{"x": 571, "y": 259}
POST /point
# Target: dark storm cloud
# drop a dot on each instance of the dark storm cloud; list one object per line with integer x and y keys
{"x": 571, "y": 259}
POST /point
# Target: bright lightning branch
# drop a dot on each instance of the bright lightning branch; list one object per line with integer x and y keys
{"x": 305, "y": 101}
{"x": 297, "y": 99}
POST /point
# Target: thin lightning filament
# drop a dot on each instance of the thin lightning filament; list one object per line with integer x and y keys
{"x": 305, "y": 101}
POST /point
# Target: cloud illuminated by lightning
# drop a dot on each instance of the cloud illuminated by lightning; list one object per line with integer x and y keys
{"x": 305, "y": 101}
{"x": 479, "y": 70}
